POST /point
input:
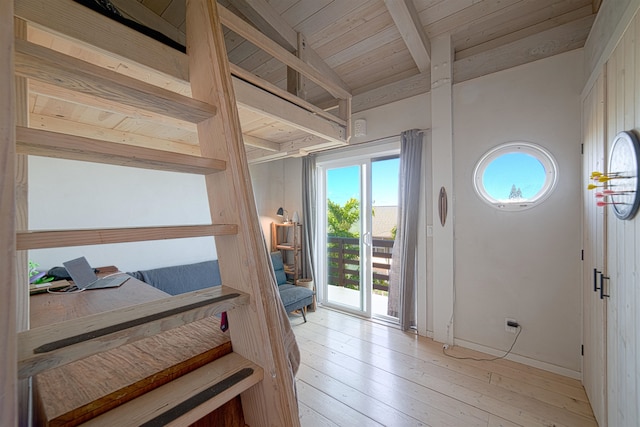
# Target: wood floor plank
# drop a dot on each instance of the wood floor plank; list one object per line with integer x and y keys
{"x": 413, "y": 399}
{"x": 378, "y": 411}
{"x": 499, "y": 422}
{"x": 333, "y": 410}
{"x": 380, "y": 355}
{"x": 528, "y": 373}
{"x": 348, "y": 359}
{"x": 311, "y": 418}
{"x": 552, "y": 397}
{"x": 446, "y": 385}
{"x": 504, "y": 367}
{"x": 407, "y": 343}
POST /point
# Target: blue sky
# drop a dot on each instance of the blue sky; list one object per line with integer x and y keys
{"x": 344, "y": 183}
{"x": 523, "y": 170}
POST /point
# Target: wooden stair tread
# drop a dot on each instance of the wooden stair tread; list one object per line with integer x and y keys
{"x": 54, "y": 345}
{"x": 52, "y": 144}
{"x": 127, "y": 372}
{"x": 40, "y": 63}
{"x": 186, "y": 399}
{"x": 99, "y": 236}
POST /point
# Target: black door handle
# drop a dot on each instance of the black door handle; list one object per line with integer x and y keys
{"x": 602, "y": 278}
{"x": 595, "y": 279}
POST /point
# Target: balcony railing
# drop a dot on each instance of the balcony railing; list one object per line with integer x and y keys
{"x": 343, "y": 256}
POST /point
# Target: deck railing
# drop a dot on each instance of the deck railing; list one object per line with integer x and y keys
{"x": 343, "y": 256}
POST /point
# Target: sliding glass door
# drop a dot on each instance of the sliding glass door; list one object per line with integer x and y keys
{"x": 346, "y": 233}
{"x": 359, "y": 212}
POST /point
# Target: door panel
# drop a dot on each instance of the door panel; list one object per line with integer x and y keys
{"x": 345, "y": 277}
{"x": 594, "y": 244}
{"x": 358, "y": 236}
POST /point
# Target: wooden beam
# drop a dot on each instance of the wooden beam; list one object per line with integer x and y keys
{"x": 22, "y": 221}
{"x": 52, "y": 144}
{"x": 262, "y": 156}
{"x": 271, "y": 88}
{"x": 297, "y": 148}
{"x": 261, "y": 332}
{"x": 69, "y": 18}
{"x": 256, "y": 99}
{"x": 138, "y": 12}
{"x": 8, "y": 354}
{"x": 464, "y": 50}
{"x": 56, "y": 92}
{"x": 38, "y": 62}
{"x": 296, "y": 83}
{"x": 557, "y": 40}
{"x": 270, "y": 22}
{"x": 596, "y": 5}
{"x": 54, "y": 345}
{"x": 240, "y": 27}
{"x": 253, "y": 141}
{"x": 64, "y": 238}
{"x": 407, "y": 21}
{"x": 55, "y": 124}
{"x": 406, "y": 88}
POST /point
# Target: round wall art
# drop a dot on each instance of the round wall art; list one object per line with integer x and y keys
{"x": 623, "y": 175}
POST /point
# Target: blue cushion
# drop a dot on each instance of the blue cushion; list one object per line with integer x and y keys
{"x": 295, "y": 297}
{"x": 278, "y": 266}
{"x": 182, "y": 278}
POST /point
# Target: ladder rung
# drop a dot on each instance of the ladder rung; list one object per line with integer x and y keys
{"x": 54, "y": 345}
{"x": 185, "y": 400}
{"x": 40, "y": 63}
{"x": 99, "y": 236}
{"x": 52, "y": 144}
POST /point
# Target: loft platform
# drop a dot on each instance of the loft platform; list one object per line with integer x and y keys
{"x": 275, "y": 123}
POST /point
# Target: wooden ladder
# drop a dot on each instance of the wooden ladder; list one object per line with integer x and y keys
{"x": 259, "y": 369}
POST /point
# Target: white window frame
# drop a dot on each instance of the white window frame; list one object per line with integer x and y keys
{"x": 541, "y": 154}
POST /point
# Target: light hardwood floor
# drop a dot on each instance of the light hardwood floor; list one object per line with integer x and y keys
{"x": 356, "y": 372}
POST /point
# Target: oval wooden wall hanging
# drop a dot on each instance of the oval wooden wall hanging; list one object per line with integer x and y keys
{"x": 442, "y": 206}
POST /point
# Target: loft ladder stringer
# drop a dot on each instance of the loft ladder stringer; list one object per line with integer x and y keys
{"x": 259, "y": 368}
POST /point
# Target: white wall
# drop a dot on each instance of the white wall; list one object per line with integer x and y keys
{"x": 523, "y": 265}
{"x": 69, "y": 194}
{"x": 392, "y": 119}
{"x": 276, "y": 184}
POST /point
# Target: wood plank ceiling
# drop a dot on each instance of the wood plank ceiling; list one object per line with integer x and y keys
{"x": 377, "y": 49}
{"x": 361, "y": 42}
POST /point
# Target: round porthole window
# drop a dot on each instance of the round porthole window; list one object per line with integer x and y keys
{"x": 515, "y": 176}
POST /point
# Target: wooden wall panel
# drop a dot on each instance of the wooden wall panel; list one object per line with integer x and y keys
{"x": 623, "y": 330}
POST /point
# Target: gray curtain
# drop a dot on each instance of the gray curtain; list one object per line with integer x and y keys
{"x": 309, "y": 214}
{"x": 402, "y": 289}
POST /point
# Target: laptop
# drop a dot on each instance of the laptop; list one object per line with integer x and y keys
{"x": 84, "y": 277}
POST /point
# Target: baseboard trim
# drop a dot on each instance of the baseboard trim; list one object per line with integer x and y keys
{"x": 521, "y": 359}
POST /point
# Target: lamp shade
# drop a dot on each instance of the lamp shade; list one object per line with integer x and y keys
{"x": 280, "y": 212}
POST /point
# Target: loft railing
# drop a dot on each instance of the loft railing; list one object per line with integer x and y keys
{"x": 343, "y": 256}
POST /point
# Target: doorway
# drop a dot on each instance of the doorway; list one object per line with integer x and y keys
{"x": 358, "y": 206}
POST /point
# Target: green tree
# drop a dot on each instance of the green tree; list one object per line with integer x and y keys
{"x": 340, "y": 218}
{"x": 516, "y": 193}
{"x": 340, "y": 221}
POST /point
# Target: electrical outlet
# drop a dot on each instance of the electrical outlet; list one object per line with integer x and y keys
{"x": 508, "y": 328}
